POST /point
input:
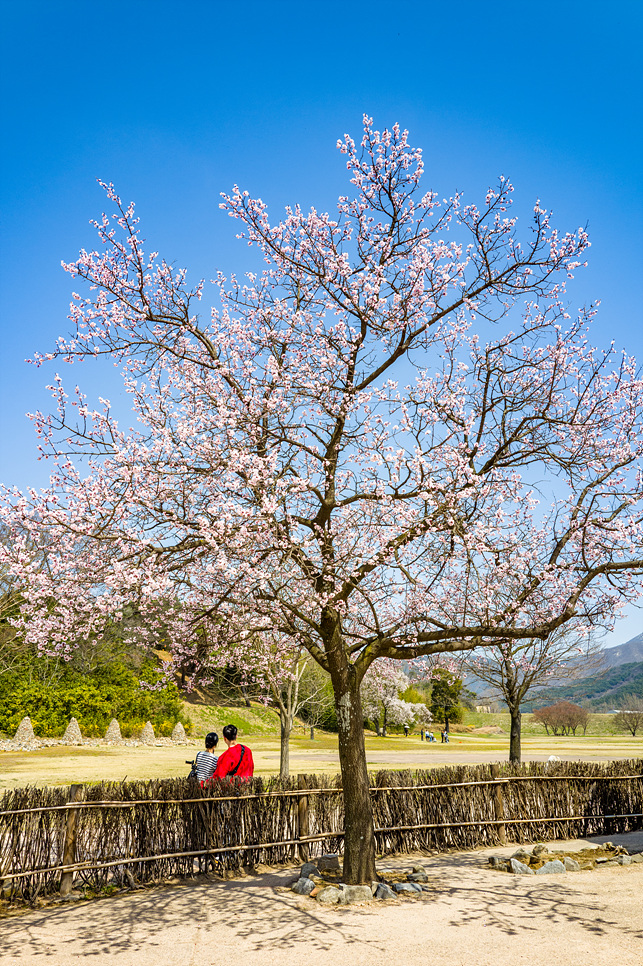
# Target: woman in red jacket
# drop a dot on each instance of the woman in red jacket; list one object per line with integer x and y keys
{"x": 237, "y": 761}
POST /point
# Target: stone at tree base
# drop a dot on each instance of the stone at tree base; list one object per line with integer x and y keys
{"x": 329, "y": 897}
{"x": 555, "y": 865}
{"x": 178, "y": 733}
{"x": 384, "y": 892}
{"x": 72, "y": 734}
{"x": 308, "y": 869}
{"x": 420, "y": 876}
{"x": 113, "y": 733}
{"x": 624, "y": 860}
{"x": 539, "y": 849}
{"x": 571, "y": 865}
{"x": 328, "y": 862}
{"x": 147, "y": 734}
{"x": 519, "y": 868}
{"x": 24, "y": 732}
{"x": 303, "y": 887}
{"x": 522, "y": 855}
{"x": 407, "y": 887}
{"x": 355, "y": 893}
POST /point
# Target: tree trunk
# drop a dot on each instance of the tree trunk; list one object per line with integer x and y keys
{"x": 359, "y": 836}
{"x": 312, "y": 734}
{"x": 384, "y": 723}
{"x": 514, "y": 737}
{"x": 284, "y": 750}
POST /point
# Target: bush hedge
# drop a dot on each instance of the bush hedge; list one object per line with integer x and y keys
{"x": 112, "y": 691}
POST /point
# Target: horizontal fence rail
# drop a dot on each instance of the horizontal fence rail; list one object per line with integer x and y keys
{"x": 123, "y": 834}
{"x": 304, "y": 792}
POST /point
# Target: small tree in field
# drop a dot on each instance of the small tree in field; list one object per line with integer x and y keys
{"x": 514, "y": 668}
{"x": 562, "y": 718}
{"x": 392, "y": 442}
{"x": 630, "y": 718}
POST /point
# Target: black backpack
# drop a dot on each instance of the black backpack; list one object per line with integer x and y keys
{"x": 193, "y": 772}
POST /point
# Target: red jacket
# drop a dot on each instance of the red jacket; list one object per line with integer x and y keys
{"x": 228, "y": 761}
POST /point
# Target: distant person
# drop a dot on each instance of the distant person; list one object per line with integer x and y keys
{"x": 406, "y": 731}
{"x": 237, "y": 761}
{"x": 206, "y": 761}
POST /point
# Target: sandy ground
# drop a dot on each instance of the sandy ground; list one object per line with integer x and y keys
{"x": 473, "y": 917}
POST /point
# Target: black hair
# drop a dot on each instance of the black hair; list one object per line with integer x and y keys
{"x": 211, "y": 740}
{"x": 230, "y": 733}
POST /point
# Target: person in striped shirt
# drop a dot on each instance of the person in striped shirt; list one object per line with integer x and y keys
{"x": 206, "y": 761}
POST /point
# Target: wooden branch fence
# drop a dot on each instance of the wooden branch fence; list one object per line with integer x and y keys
{"x": 129, "y": 833}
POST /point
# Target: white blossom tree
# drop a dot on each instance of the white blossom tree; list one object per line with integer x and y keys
{"x": 392, "y": 442}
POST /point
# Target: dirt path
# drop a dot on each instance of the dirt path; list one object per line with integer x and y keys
{"x": 473, "y": 917}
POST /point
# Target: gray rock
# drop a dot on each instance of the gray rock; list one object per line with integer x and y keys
{"x": 519, "y": 868}
{"x": 24, "y": 732}
{"x": 147, "y": 734}
{"x": 407, "y": 887}
{"x": 356, "y": 893}
{"x": 329, "y": 897}
{"x": 539, "y": 849}
{"x": 522, "y": 855}
{"x": 555, "y": 865}
{"x": 178, "y": 733}
{"x": 420, "y": 876}
{"x": 571, "y": 865}
{"x": 637, "y": 858}
{"x": 308, "y": 869}
{"x": 72, "y": 735}
{"x": 303, "y": 887}
{"x": 328, "y": 862}
{"x": 497, "y": 862}
{"x": 624, "y": 860}
{"x": 113, "y": 733}
{"x": 384, "y": 892}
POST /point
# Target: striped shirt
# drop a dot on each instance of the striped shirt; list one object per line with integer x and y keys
{"x": 206, "y": 762}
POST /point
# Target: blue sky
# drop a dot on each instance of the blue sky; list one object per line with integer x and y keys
{"x": 175, "y": 102}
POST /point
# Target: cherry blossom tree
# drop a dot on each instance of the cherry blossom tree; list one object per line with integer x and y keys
{"x": 380, "y": 695}
{"x": 392, "y": 441}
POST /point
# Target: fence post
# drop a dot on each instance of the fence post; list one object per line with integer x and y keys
{"x": 499, "y": 805}
{"x": 302, "y": 818}
{"x": 69, "y": 849}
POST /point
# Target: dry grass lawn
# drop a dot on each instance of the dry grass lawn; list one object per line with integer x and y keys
{"x": 63, "y": 765}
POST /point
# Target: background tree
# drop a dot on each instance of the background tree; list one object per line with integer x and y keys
{"x": 445, "y": 696}
{"x": 562, "y": 718}
{"x": 381, "y": 688}
{"x": 355, "y": 452}
{"x": 384, "y": 691}
{"x": 515, "y": 668}
{"x": 630, "y": 717}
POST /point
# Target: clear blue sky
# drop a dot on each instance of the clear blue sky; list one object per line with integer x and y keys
{"x": 174, "y": 102}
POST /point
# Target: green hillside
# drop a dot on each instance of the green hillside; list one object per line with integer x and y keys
{"x": 601, "y": 692}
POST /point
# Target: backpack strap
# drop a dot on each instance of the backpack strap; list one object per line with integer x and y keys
{"x": 236, "y": 767}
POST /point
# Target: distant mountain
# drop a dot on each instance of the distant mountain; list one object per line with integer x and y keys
{"x": 604, "y": 691}
{"x": 626, "y": 653}
{"x": 588, "y": 689}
